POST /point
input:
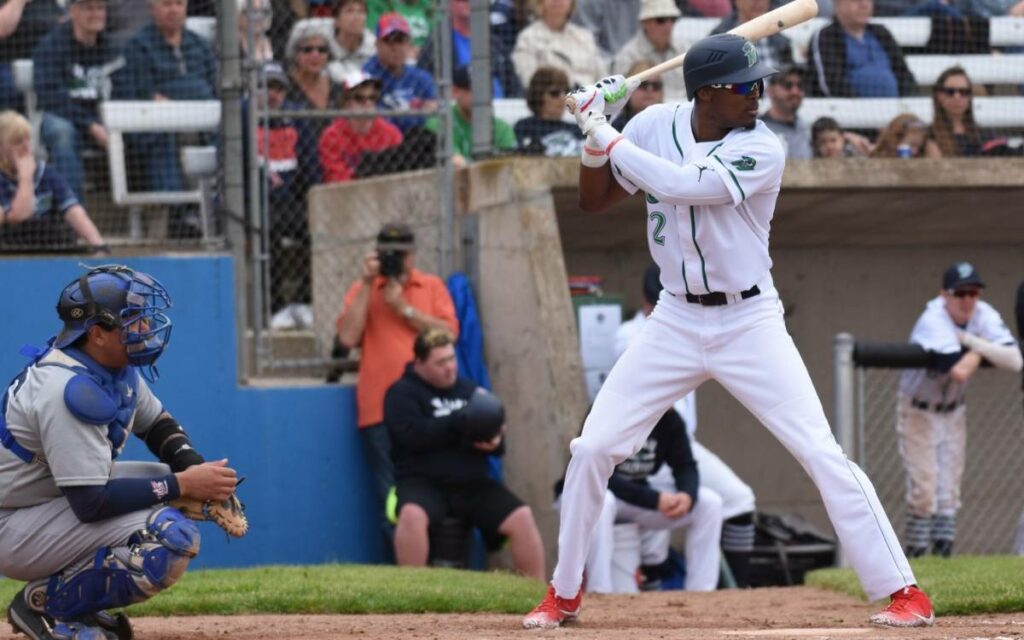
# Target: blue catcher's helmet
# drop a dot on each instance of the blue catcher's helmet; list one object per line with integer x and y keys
{"x": 113, "y": 296}
{"x": 724, "y": 58}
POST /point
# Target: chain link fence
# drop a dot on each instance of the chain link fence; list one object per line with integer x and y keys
{"x": 992, "y": 491}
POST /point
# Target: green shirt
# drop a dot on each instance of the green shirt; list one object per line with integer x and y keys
{"x": 462, "y": 134}
{"x": 418, "y": 13}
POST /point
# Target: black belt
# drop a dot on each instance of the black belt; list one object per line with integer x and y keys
{"x": 937, "y": 407}
{"x": 717, "y": 298}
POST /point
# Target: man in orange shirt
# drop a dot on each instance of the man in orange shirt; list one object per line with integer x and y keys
{"x": 384, "y": 311}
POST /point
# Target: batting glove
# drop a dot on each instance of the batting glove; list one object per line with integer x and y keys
{"x": 616, "y": 92}
{"x": 587, "y": 105}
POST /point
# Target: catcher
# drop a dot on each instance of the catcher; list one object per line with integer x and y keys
{"x": 89, "y": 533}
{"x": 442, "y": 429}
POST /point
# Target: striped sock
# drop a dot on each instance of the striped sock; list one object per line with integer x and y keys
{"x": 943, "y": 534}
{"x": 737, "y": 545}
{"x": 917, "y": 534}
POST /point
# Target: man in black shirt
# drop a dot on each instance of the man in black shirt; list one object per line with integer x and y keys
{"x": 440, "y": 469}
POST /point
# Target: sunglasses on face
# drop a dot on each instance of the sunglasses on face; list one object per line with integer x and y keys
{"x": 966, "y": 293}
{"x": 397, "y": 39}
{"x": 651, "y": 85}
{"x": 365, "y": 98}
{"x": 314, "y": 49}
{"x": 740, "y": 88}
{"x": 956, "y": 91}
{"x": 664, "y": 20}
{"x": 557, "y": 93}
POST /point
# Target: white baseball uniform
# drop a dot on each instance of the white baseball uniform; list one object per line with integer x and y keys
{"x": 709, "y": 209}
{"x": 932, "y": 422}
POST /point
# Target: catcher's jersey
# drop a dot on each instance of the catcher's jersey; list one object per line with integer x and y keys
{"x": 721, "y": 246}
{"x": 76, "y": 453}
{"x": 936, "y": 331}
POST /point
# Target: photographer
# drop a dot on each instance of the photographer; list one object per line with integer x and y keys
{"x": 443, "y": 427}
{"x": 383, "y": 312}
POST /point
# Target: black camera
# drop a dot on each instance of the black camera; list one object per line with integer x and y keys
{"x": 392, "y": 262}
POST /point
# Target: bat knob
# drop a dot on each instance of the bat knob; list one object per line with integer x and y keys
{"x": 570, "y": 104}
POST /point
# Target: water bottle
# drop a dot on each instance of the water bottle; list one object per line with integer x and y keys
{"x": 903, "y": 151}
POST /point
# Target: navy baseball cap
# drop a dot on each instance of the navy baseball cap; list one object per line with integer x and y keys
{"x": 652, "y": 284}
{"x": 960, "y": 275}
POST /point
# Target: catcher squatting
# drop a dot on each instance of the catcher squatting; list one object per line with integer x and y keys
{"x": 87, "y": 532}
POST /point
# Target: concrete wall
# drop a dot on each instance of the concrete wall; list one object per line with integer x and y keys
{"x": 307, "y": 489}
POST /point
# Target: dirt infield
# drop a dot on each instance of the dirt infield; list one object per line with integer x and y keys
{"x": 798, "y": 613}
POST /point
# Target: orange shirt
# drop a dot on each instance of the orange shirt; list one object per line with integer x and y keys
{"x": 388, "y": 338}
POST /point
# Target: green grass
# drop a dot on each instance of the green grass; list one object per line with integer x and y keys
{"x": 336, "y": 589}
{"x": 961, "y": 585}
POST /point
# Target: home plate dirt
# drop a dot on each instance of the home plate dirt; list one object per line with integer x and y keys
{"x": 800, "y": 613}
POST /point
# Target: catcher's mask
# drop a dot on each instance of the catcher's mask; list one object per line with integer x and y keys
{"x": 115, "y": 296}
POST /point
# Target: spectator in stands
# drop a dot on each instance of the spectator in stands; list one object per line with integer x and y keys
{"x": 953, "y": 127}
{"x": 440, "y": 470}
{"x": 23, "y": 23}
{"x": 343, "y": 143}
{"x": 830, "y": 141}
{"x": 403, "y": 86}
{"x": 906, "y": 136}
{"x": 262, "y": 16}
{"x": 503, "y": 138}
{"x": 775, "y": 50}
{"x": 613, "y": 22}
{"x": 125, "y": 18}
{"x": 71, "y": 70}
{"x": 165, "y": 61}
{"x": 651, "y": 91}
{"x": 505, "y": 82}
{"x": 418, "y": 14}
{"x": 705, "y": 8}
{"x": 354, "y": 39}
{"x": 384, "y": 311}
{"x": 553, "y": 41}
{"x": 786, "y": 93}
{"x": 853, "y": 57}
{"x": 545, "y": 132}
{"x": 506, "y": 22}
{"x": 310, "y": 47}
{"x": 653, "y": 44}
{"x": 290, "y": 167}
{"x": 35, "y": 200}
{"x": 996, "y": 8}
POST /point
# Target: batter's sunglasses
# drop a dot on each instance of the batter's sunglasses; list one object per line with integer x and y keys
{"x": 966, "y": 293}
{"x": 740, "y": 88}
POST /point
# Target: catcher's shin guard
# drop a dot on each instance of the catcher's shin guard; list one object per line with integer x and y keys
{"x": 154, "y": 559}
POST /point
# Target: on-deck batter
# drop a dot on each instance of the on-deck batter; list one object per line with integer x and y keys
{"x": 711, "y": 173}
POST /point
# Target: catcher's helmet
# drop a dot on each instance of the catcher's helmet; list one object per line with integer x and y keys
{"x": 722, "y": 59}
{"x": 113, "y": 296}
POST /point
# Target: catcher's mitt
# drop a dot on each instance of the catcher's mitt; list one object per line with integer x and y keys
{"x": 228, "y": 514}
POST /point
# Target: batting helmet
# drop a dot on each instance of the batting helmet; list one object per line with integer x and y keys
{"x": 484, "y": 415}
{"x": 724, "y": 58}
{"x": 113, "y": 296}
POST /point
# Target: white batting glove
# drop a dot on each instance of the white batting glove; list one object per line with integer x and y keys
{"x": 587, "y": 105}
{"x": 616, "y": 92}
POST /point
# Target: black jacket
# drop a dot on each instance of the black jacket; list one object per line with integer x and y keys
{"x": 827, "y": 59}
{"x": 668, "y": 444}
{"x": 426, "y": 428}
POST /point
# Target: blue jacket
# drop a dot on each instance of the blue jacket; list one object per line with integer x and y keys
{"x": 70, "y": 78}
{"x": 152, "y": 68}
{"x": 469, "y": 349}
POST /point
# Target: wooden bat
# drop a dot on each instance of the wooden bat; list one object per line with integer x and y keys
{"x": 768, "y": 24}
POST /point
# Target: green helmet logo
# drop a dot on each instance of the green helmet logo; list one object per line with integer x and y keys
{"x": 750, "y": 52}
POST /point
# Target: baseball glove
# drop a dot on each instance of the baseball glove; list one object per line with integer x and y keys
{"x": 228, "y": 514}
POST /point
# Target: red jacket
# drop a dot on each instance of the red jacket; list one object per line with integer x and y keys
{"x": 341, "y": 147}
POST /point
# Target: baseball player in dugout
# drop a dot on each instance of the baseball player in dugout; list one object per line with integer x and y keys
{"x": 384, "y": 310}
{"x": 443, "y": 427}
{"x": 88, "y": 532}
{"x": 959, "y": 332}
{"x": 710, "y": 173}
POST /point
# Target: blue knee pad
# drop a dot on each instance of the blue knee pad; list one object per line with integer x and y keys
{"x": 154, "y": 559}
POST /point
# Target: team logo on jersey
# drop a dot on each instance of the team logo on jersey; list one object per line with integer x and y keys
{"x": 745, "y": 163}
{"x": 651, "y": 199}
{"x": 701, "y": 168}
{"x": 750, "y": 52}
{"x": 159, "y": 488}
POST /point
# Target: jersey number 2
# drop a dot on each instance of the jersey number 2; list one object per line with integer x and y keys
{"x": 659, "y": 223}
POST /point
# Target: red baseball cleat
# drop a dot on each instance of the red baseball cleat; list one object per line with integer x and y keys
{"x": 553, "y": 611}
{"x": 909, "y": 607}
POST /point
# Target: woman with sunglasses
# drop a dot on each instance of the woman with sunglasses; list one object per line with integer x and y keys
{"x": 545, "y": 133}
{"x": 343, "y": 143}
{"x": 957, "y": 330}
{"x": 953, "y": 127}
{"x": 310, "y": 47}
{"x": 651, "y": 91}
{"x": 551, "y": 40}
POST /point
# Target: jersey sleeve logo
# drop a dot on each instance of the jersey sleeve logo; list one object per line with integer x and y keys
{"x": 745, "y": 163}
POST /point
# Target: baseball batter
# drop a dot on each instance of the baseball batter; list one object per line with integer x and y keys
{"x": 86, "y": 532}
{"x": 711, "y": 173}
{"x": 959, "y": 331}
